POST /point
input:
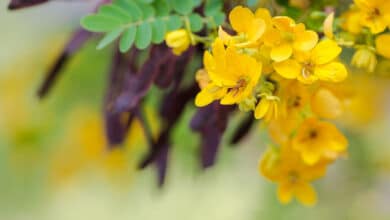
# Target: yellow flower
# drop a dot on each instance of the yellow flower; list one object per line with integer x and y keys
{"x": 365, "y": 57}
{"x": 233, "y": 76}
{"x": 382, "y": 43}
{"x": 294, "y": 97}
{"x": 316, "y": 140}
{"x": 286, "y": 37}
{"x": 248, "y": 27}
{"x": 178, "y": 40}
{"x": 292, "y": 175}
{"x": 326, "y": 104}
{"x": 267, "y": 108}
{"x": 350, "y": 20}
{"x": 374, "y": 14}
{"x": 316, "y": 64}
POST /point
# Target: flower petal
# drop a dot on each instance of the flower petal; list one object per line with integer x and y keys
{"x": 328, "y": 26}
{"x": 289, "y": 69}
{"x": 305, "y": 194}
{"x": 306, "y": 40}
{"x": 262, "y": 108}
{"x": 281, "y": 52}
{"x": 256, "y": 30}
{"x": 239, "y": 18}
{"x": 382, "y": 43}
{"x": 311, "y": 156}
{"x": 283, "y": 23}
{"x": 325, "y": 51}
{"x": 285, "y": 193}
{"x": 333, "y": 72}
{"x": 325, "y": 104}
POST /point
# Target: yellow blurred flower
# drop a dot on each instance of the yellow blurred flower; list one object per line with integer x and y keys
{"x": 365, "y": 58}
{"x": 325, "y": 104}
{"x": 286, "y": 37}
{"x": 316, "y": 64}
{"x": 84, "y": 149}
{"x": 233, "y": 76}
{"x": 293, "y": 176}
{"x": 350, "y": 20}
{"x": 294, "y": 97}
{"x": 248, "y": 27}
{"x": 382, "y": 43}
{"x": 316, "y": 140}
{"x": 178, "y": 40}
{"x": 374, "y": 14}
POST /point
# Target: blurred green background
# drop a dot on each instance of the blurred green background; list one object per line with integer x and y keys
{"x": 53, "y": 162}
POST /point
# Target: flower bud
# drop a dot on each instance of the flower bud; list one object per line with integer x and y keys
{"x": 365, "y": 58}
{"x": 178, "y": 40}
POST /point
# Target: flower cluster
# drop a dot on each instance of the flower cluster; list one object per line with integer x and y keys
{"x": 279, "y": 70}
{"x": 365, "y": 25}
{"x": 272, "y": 67}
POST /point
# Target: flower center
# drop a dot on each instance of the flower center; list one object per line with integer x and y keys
{"x": 375, "y": 12}
{"x": 241, "y": 84}
{"x": 307, "y": 69}
{"x": 293, "y": 176}
{"x": 296, "y": 101}
{"x": 313, "y": 134}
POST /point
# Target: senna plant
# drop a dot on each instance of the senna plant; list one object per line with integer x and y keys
{"x": 277, "y": 62}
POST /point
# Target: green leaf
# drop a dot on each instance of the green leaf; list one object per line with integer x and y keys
{"x": 162, "y": 7}
{"x": 158, "y": 31}
{"x": 100, "y": 23}
{"x": 183, "y": 7}
{"x": 212, "y": 7}
{"x": 143, "y": 36}
{"x": 219, "y": 18}
{"x": 127, "y": 39}
{"x": 115, "y": 12}
{"x": 131, "y": 7}
{"x": 174, "y": 22}
{"x": 109, "y": 38}
{"x": 196, "y": 22}
{"x": 147, "y": 11}
{"x": 146, "y": 1}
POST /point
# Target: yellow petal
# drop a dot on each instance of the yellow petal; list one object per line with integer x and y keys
{"x": 289, "y": 69}
{"x": 264, "y": 14}
{"x": 262, "y": 108}
{"x": 333, "y": 72}
{"x": 283, "y": 23}
{"x": 208, "y": 61}
{"x": 256, "y": 30}
{"x": 305, "y": 194}
{"x": 376, "y": 25}
{"x": 285, "y": 193}
{"x": 207, "y": 95}
{"x": 311, "y": 156}
{"x": 306, "y": 40}
{"x": 225, "y": 37}
{"x": 203, "y": 98}
{"x": 325, "y": 51}
{"x": 239, "y": 18}
{"x": 326, "y": 105}
{"x": 281, "y": 52}
{"x": 382, "y": 43}
{"x": 328, "y": 26}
